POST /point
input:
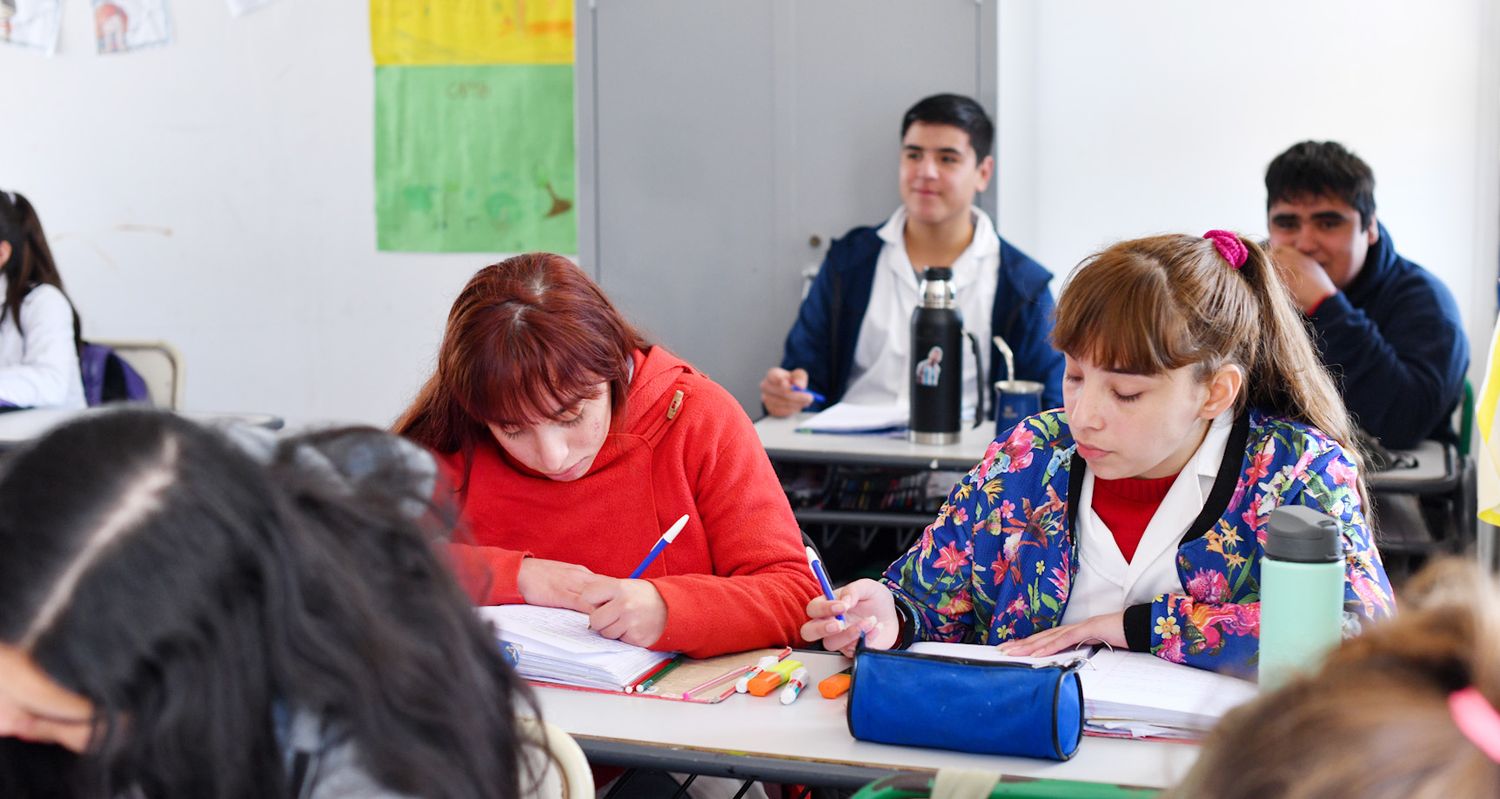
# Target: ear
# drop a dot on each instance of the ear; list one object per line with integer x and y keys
{"x": 1224, "y": 387}
{"x": 4, "y": 253}
{"x": 986, "y": 171}
{"x": 1372, "y": 235}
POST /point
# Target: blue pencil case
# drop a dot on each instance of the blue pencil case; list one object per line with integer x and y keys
{"x": 966, "y": 705}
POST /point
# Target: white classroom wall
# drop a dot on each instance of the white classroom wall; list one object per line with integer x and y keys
{"x": 1125, "y": 119}
{"x": 218, "y": 192}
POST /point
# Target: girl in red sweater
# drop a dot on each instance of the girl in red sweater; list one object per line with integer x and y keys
{"x": 576, "y": 443}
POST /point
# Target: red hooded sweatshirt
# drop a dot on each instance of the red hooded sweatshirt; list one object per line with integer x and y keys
{"x": 735, "y": 578}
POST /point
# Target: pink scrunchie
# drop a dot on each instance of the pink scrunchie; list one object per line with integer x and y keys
{"x": 1229, "y": 246}
{"x": 1477, "y": 720}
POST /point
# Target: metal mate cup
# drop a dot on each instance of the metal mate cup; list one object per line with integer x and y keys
{"x": 1015, "y": 400}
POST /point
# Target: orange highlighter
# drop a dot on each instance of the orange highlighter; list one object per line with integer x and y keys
{"x": 834, "y": 686}
{"x": 770, "y": 679}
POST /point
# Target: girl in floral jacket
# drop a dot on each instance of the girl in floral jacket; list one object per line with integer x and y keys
{"x": 1194, "y": 405}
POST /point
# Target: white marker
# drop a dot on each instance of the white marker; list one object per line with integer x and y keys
{"x": 794, "y": 686}
{"x": 742, "y": 685}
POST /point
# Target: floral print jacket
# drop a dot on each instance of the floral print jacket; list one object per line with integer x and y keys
{"x": 999, "y": 559}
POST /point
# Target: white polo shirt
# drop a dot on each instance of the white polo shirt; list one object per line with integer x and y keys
{"x": 882, "y": 353}
{"x": 1106, "y": 583}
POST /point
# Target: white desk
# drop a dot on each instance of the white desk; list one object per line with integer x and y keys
{"x": 20, "y": 426}
{"x": 808, "y": 742}
{"x": 783, "y": 443}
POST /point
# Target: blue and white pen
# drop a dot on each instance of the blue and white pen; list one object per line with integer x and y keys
{"x": 809, "y": 392}
{"x": 661, "y": 543}
{"x": 817, "y": 570}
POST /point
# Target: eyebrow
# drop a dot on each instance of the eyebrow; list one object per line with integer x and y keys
{"x": 945, "y": 150}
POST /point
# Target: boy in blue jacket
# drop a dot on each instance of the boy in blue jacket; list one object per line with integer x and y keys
{"x": 851, "y": 339}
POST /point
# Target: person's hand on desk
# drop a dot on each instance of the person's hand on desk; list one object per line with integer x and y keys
{"x": 779, "y": 396}
{"x": 1106, "y": 629}
{"x": 1305, "y": 278}
{"x": 628, "y": 610}
{"x": 868, "y": 608}
{"x": 554, "y": 584}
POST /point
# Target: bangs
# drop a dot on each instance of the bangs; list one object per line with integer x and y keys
{"x": 520, "y": 380}
{"x": 1118, "y": 313}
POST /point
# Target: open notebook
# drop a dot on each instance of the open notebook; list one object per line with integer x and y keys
{"x": 1132, "y": 693}
{"x": 556, "y": 646}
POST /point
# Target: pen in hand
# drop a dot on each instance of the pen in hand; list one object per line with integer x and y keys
{"x": 661, "y": 543}
{"x": 817, "y": 570}
{"x": 809, "y": 392}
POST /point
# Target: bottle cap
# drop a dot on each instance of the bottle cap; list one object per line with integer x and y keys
{"x": 937, "y": 273}
{"x": 1302, "y": 535}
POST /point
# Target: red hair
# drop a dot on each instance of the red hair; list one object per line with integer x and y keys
{"x": 527, "y": 338}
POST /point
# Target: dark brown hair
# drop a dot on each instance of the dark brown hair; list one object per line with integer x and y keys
{"x": 31, "y": 262}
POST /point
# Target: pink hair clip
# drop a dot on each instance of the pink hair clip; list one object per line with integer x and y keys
{"x": 1477, "y": 720}
{"x": 1229, "y": 246}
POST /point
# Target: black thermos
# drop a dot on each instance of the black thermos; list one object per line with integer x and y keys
{"x": 936, "y": 376}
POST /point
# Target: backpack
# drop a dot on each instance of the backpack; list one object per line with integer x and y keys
{"x": 109, "y": 378}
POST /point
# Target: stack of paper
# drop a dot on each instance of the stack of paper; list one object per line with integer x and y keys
{"x": 1142, "y": 695}
{"x": 846, "y": 417}
{"x": 557, "y": 646}
{"x": 1132, "y": 693}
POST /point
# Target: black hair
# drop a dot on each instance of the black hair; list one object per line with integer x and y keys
{"x": 194, "y": 594}
{"x": 1312, "y": 169}
{"x": 960, "y": 112}
{"x": 31, "y": 262}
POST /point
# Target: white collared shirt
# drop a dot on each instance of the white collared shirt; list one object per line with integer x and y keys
{"x": 1106, "y": 583}
{"x": 40, "y": 369}
{"x": 882, "y": 353}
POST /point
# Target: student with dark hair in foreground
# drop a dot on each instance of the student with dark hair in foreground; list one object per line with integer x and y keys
{"x": 851, "y": 338}
{"x": 202, "y": 618}
{"x": 1405, "y": 711}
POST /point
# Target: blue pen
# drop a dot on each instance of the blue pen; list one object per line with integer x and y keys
{"x": 817, "y": 570}
{"x": 809, "y": 392}
{"x": 661, "y": 543}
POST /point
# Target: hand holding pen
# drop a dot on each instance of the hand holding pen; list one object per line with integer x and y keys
{"x": 870, "y": 610}
{"x": 785, "y": 392}
{"x": 631, "y": 610}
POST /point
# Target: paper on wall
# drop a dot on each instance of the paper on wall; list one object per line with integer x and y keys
{"x": 242, "y": 7}
{"x": 450, "y": 32}
{"x": 31, "y": 23}
{"x": 124, "y": 25}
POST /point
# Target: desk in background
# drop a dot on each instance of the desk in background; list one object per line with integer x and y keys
{"x": 787, "y": 446}
{"x": 808, "y": 742}
{"x": 17, "y": 427}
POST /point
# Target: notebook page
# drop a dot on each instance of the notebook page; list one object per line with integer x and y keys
{"x": 1139, "y": 680}
{"x": 556, "y": 645}
{"x": 847, "y": 417}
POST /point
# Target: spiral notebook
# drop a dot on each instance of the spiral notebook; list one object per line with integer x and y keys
{"x": 553, "y": 646}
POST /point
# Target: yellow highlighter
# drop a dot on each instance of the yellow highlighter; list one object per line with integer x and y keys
{"x": 771, "y": 679}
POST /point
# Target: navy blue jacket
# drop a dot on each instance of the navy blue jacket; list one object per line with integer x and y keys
{"x": 822, "y": 339}
{"x": 1394, "y": 342}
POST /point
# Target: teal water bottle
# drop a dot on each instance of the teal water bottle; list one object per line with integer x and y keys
{"x": 1301, "y": 593}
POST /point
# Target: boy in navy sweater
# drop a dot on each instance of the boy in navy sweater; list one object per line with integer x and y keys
{"x": 1387, "y": 329}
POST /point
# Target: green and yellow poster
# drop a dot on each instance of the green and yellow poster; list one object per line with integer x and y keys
{"x": 474, "y": 125}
